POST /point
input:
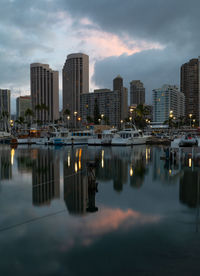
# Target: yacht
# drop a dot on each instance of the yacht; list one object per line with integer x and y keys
{"x": 103, "y": 138}
{"x": 70, "y": 137}
{"x": 129, "y": 136}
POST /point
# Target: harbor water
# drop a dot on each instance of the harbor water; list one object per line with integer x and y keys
{"x": 97, "y": 211}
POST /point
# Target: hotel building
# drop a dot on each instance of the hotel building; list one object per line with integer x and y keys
{"x": 166, "y": 99}
{"x": 44, "y": 92}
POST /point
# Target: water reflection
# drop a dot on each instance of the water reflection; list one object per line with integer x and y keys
{"x": 80, "y": 185}
{"x": 189, "y": 188}
{"x": 45, "y": 177}
{"x": 5, "y": 163}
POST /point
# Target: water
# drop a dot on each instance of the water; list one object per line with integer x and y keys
{"x": 141, "y": 218}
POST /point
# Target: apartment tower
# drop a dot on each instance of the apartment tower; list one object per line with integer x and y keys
{"x": 123, "y": 94}
{"x": 44, "y": 92}
{"x": 75, "y": 83}
{"x": 137, "y": 92}
{"x": 5, "y": 101}
{"x": 22, "y": 104}
{"x": 168, "y": 101}
{"x": 190, "y": 86}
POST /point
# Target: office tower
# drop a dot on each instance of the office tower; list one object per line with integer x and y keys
{"x": 44, "y": 92}
{"x": 118, "y": 86}
{"x": 190, "y": 86}
{"x": 5, "y": 101}
{"x": 166, "y": 99}
{"x": 117, "y": 83}
{"x": 109, "y": 106}
{"x": 137, "y": 92}
{"x": 75, "y": 83}
{"x": 45, "y": 177}
{"x": 22, "y": 104}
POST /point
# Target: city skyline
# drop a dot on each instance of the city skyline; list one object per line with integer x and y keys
{"x": 152, "y": 51}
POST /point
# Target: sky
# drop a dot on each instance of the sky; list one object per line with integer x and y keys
{"x": 138, "y": 39}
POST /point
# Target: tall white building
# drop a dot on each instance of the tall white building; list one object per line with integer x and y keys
{"x": 75, "y": 82}
{"x": 165, "y": 99}
{"x": 22, "y": 104}
{"x": 44, "y": 92}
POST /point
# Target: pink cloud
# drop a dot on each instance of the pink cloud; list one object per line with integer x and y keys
{"x": 87, "y": 230}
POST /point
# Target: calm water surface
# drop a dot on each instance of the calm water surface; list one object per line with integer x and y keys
{"x": 97, "y": 211}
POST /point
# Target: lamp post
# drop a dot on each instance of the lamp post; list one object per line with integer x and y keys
{"x": 75, "y": 113}
{"x": 190, "y": 115}
{"x": 79, "y": 120}
{"x": 68, "y": 118}
{"x": 193, "y": 122}
{"x": 102, "y": 116}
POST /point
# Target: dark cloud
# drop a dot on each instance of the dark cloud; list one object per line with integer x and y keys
{"x": 154, "y": 20}
{"x": 153, "y": 67}
{"x": 172, "y": 24}
{"x": 28, "y": 27}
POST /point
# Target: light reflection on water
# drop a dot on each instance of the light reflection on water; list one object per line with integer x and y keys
{"x": 63, "y": 206}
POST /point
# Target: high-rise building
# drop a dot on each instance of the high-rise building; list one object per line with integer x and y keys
{"x": 5, "y": 101}
{"x": 22, "y": 104}
{"x": 190, "y": 86}
{"x": 117, "y": 83}
{"x": 111, "y": 107}
{"x": 75, "y": 82}
{"x": 137, "y": 92}
{"x": 118, "y": 86}
{"x": 166, "y": 99}
{"x": 44, "y": 92}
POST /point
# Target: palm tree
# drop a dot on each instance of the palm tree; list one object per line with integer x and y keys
{"x": 20, "y": 121}
{"x": 29, "y": 115}
{"x": 141, "y": 112}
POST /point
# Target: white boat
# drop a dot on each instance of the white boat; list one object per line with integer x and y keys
{"x": 103, "y": 138}
{"x": 129, "y": 136}
{"x": 188, "y": 141}
{"x": 70, "y": 138}
{"x": 4, "y": 134}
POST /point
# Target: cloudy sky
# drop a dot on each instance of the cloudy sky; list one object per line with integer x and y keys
{"x": 138, "y": 39}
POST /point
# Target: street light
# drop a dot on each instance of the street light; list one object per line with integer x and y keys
{"x": 79, "y": 119}
{"x": 68, "y": 118}
{"x": 102, "y": 116}
{"x": 190, "y": 115}
{"x": 75, "y": 113}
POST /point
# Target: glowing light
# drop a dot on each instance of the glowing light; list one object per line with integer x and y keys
{"x": 12, "y": 156}
{"x": 76, "y": 167}
{"x": 190, "y": 162}
{"x": 131, "y": 171}
{"x": 79, "y": 165}
{"x": 146, "y": 154}
{"x": 102, "y": 159}
{"x": 80, "y": 154}
{"x": 170, "y": 172}
{"x": 68, "y": 159}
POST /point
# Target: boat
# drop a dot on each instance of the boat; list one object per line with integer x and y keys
{"x": 70, "y": 137}
{"x": 188, "y": 140}
{"x": 129, "y": 136}
{"x": 103, "y": 138}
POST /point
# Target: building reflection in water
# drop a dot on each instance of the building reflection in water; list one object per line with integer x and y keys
{"x": 79, "y": 185}
{"x": 6, "y": 161}
{"x": 45, "y": 177}
{"x": 189, "y": 193}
